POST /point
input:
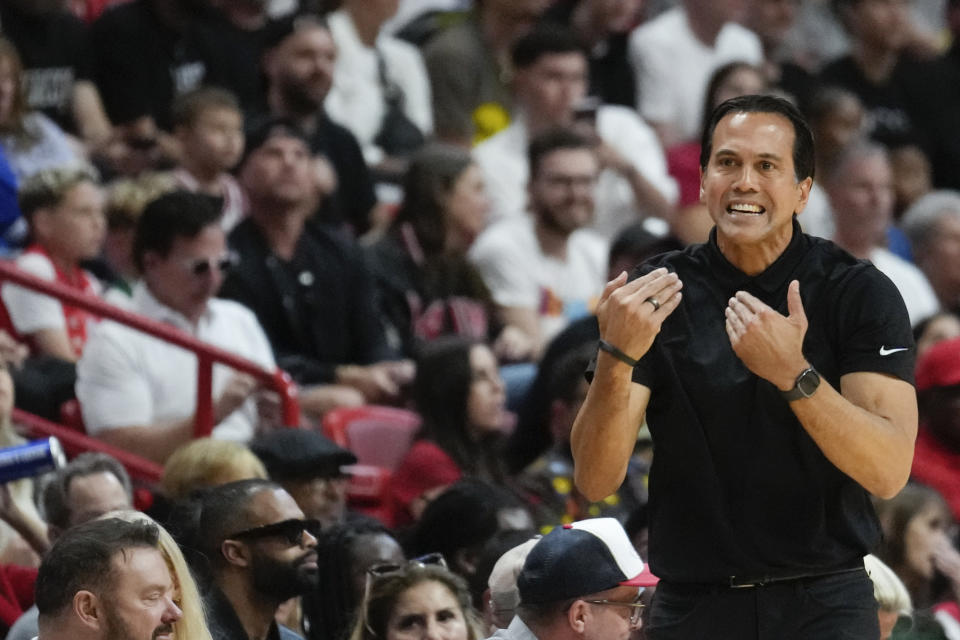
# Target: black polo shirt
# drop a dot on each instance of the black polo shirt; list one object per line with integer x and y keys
{"x": 737, "y": 486}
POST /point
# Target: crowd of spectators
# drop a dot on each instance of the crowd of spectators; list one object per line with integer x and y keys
{"x": 416, "y": 204}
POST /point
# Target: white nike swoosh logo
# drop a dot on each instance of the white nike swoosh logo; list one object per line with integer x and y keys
{"x": 885, "y": 352}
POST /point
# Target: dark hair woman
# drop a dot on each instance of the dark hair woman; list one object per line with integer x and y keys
{"x": 461, "y": 397}
{"x": 426, "y": 286}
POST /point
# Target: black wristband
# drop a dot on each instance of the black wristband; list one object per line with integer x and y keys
{"x": 616, "y": 353}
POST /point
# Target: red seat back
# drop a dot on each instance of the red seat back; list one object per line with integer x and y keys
{"x": 378, "y": 436}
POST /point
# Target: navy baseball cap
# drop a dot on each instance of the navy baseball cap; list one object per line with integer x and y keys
{"x": 579, "y": 559}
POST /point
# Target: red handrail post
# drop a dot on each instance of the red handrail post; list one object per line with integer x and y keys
{"x": 288, "y": 398}
{"x": 203, "y": 426}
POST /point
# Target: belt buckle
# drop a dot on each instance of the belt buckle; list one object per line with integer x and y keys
{"x": 738, "y": 583}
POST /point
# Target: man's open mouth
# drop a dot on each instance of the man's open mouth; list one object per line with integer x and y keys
{"x": 745, "y": 209}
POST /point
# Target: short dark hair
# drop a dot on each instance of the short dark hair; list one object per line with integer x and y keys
{"x": 224, "y": 510}
{"x": 277, "y": 31}
{"x": 187, "y": 108}
{"x": 56, "y": 506}
{"x": 553, "y": 139}
{"x": 82, "y": 559}
{"x": 803, "y": 159}
{"x": 546, "y": 39}
{"x": 463, "y": 517}
{"x": 178, "y": 214}
{"x": 260, "y": 132}
{"x": 635, "y": 243}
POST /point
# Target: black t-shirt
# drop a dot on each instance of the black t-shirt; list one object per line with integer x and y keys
{"x": 317, "y": 309}
{"x": 797, "y": 83}
{"x": 354, "y": 198}
{"x": 934, "y": 91}
{"x": 232, "y": 57}
{"x": 918, "y": 105}
{"x": 55, "y": 51}
{"x": 611, "y": 74}
{"x": 142, "y": 64}
{"x": 888, "y": 106}
{"x": 738, "y": 487}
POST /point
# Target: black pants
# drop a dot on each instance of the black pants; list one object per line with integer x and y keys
{"x": 835, "y": 607}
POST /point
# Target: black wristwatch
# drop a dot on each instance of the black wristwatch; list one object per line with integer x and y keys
{"x": 805, "y": 385}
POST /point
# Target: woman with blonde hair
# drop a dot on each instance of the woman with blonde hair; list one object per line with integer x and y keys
{"x": 192, "y": 625}
{"x": 206, "y": 462}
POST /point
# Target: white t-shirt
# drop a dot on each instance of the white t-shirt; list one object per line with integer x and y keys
{"x": 31, "y": 311}
{"x": 673, "y": 67}
{"x": 518, "y": 274}
{"x": 503, "y": 160}
{"x": 817, "y": 217}
{"x": 913, "y": 286}
{"x": 128, "y": 378}
{"x": 356, "y": 97}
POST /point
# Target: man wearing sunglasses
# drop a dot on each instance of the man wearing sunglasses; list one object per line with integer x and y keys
{"x": 581, "y": 581}
{"x": 260, "y": 552}
{"x": 137, "y": 392}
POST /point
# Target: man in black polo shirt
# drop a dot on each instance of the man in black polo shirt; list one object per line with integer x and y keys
{"x": 778, "y": 390}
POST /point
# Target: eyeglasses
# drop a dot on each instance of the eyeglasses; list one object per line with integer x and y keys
{"x": 202, "y": 266}
{"x": 636, "y": 605}
{"x": 379, "y": 571}
{"x": 290, "y": 530}
{"x": 570, "y": 181}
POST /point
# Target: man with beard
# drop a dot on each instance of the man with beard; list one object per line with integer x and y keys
{"x": 107, "y": 580}
{"x": 299, "y": 73}
{"x": 546, "y": 269}
{"x": 309, "y": 288}
{"x": 91, "y": 485}
{"x": 260, "y": 552}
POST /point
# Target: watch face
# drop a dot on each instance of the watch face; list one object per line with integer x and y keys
{"x": 808, "y": 382}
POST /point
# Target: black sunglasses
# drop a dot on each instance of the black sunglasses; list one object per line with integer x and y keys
{"x": 202, "y": 266}
{"x": 289, "y": 530}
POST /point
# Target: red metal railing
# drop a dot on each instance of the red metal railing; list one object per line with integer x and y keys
{"x": 75, "y": 443}
{"x": 207, "y": 355}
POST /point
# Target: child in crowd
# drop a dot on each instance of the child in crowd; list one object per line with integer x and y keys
{"x": 208, "y": 123}
{"x": 64, "y": 212}
{"x": 126, "y": 199}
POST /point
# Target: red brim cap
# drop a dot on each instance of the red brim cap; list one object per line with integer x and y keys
{"x": 642, "y": 579}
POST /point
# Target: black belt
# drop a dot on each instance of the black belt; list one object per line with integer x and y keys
{"x": 737, "y": 582}
{"x": 751, "y": 582}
